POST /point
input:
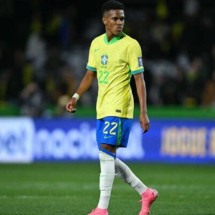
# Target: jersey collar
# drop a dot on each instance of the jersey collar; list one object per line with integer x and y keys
{"x": 114, "y": 39}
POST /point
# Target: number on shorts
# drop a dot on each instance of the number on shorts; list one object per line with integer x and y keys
{"x": 111, "y": 131}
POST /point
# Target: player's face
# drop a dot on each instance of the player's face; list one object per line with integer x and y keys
{"x": 114, "y": 22}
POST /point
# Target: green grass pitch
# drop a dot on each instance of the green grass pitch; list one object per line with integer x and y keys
{"x": 72, "y": 189}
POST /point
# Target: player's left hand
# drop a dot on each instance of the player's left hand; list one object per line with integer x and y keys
{"x": 144, "y": 122}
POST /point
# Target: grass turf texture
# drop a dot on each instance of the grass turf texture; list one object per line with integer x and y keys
{"x": 72, "y": 189}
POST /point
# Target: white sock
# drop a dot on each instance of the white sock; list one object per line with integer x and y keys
{"x": 124, "y": 173}
{"x": 107, "y": 175}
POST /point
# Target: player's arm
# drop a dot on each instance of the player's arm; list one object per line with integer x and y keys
{"x": 141, "y": 92}
{"x": 83, "y": 87}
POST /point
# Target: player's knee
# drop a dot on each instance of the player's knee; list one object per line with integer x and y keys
{"x": 105, "y": 155}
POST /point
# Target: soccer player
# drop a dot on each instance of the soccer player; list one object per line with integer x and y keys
{"x": 113, "y": 58}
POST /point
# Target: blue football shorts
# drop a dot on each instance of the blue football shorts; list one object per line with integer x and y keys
{"x": 113, "y": 130}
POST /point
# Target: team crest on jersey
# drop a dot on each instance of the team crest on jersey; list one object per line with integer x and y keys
{"x": 140, "y": 61}
{"x": 104, "y": 59}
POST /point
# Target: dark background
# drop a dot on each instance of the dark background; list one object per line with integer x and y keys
{"x": 44, "y": 48}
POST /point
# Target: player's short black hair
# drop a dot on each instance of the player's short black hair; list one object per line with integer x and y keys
{"x": 112, "y": 5}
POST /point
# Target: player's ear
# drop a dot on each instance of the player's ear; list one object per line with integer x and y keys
{"x": 104, "y": 20}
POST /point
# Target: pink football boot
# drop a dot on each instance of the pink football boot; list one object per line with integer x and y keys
{"x": 148, "y": 197}
{"x": 99, "y": 211}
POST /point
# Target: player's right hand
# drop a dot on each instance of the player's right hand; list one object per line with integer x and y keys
{"x": 71, "y": 105}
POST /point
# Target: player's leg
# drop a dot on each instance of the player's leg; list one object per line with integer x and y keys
{"x": 124, "y": 173}
{"x": 106, "y": 179}
{"x": 122, "y": 170}
{"x": 148, "y": 194}
{"x": 107, "y": 175}
{"x": 107, "y": 163}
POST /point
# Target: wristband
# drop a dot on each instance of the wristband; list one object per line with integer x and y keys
{"x": 76, "y": 96}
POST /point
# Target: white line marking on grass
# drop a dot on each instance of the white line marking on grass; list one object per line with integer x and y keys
{"x": 32, "y": 197}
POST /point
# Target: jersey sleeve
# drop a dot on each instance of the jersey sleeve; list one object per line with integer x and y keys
{"x": 91, "y": 64}
{"x": 135, "y": 58}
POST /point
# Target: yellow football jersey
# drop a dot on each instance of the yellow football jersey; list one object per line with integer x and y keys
{"x": 115, "y": 61}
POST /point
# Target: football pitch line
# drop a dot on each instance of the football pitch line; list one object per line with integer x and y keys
{"x": 73, "y": 189}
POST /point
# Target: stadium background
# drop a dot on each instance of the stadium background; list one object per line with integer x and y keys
{"x": 44, "y": 49}
{"x": 43, "y": 54}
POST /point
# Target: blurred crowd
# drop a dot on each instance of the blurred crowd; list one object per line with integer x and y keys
{"x": 44, "y": 50}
